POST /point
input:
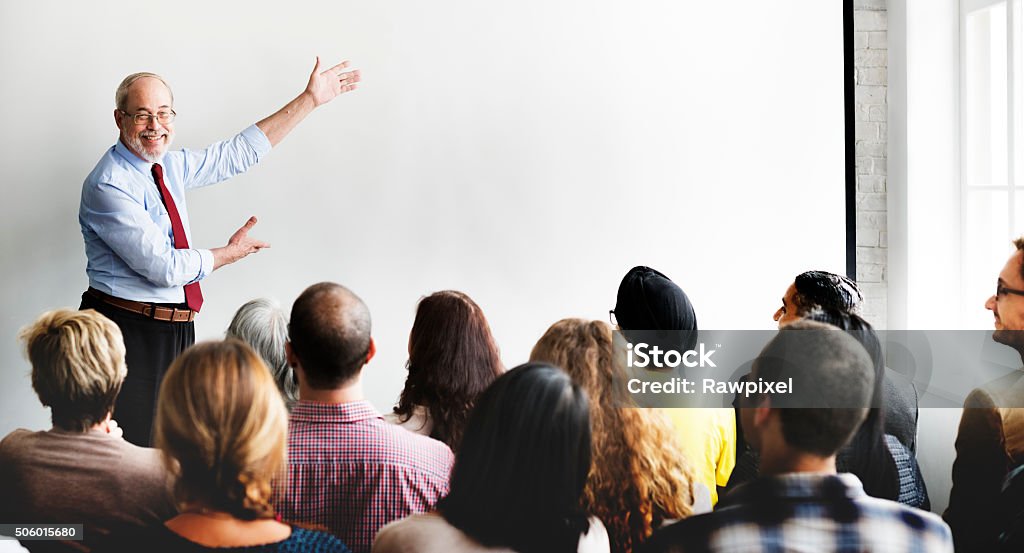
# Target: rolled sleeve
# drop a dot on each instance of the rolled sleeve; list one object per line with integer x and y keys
{"x": 130, "y": 232}
{"x": 205, "y": 265}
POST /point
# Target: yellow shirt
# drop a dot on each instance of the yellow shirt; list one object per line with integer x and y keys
{"x": 707, "y": 437}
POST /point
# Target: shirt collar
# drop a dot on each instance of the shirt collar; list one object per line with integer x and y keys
{"x": 144, "y": 167}
{"x": 798, "y": 486}
{"x": 355, "y": 411}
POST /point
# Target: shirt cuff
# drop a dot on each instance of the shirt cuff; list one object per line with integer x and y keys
{"x": 259, "y": 141}
{"x": 205, "y": 264}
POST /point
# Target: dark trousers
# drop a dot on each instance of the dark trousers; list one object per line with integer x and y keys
{"x": 150, "y": 347}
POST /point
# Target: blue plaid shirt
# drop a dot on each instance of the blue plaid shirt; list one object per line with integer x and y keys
{"x": 803, "y": 512}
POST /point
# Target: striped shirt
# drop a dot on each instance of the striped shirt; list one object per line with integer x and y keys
{"x": 800, "y": 512}
{"x": 351, "y": 472}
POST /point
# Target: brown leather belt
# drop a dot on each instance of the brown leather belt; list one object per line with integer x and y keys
{"x": 158, "y": 312}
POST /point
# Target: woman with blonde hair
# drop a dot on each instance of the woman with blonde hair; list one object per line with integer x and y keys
{"x": 639, "y": 477}
{"x": 221, "y": 426}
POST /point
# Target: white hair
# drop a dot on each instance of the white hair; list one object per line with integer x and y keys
{"x": 121, "y": 96}
{"x": 263, "y": 324}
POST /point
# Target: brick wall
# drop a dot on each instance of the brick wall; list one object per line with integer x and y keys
{"x": 870, "y": 61}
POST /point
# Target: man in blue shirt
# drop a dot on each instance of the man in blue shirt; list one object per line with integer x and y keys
{"x": 143, "y": 273}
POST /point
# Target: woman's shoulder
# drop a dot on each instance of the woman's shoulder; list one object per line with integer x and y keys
{"x": 596, "y": 538}
{"x": 312, "y": 541}
{"x": 420, "y": 532}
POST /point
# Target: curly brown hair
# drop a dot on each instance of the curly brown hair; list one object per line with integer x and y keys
{"x": 639, "y": 477}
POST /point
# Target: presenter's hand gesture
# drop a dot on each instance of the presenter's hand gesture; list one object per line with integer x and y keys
{"x": 239, "y": 246}
{"x": 325, "y": 86}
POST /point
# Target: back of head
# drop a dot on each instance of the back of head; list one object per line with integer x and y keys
{"x": 523, "y": 463}
{"x": 452, "y": 359}
{"x": 585, "y": 350}
{"x": 826, "y": 290}
{"x": 649, "y": 300}
{"x": 640, "y": 478}
{"x": 78, "y": 365}
{"x": 827, "y": 366}
{"x": 330, "y": 334}
{"x": 867, "y": 456}
{"x": 221, "y": 425}
{"x": 263, "y": 325}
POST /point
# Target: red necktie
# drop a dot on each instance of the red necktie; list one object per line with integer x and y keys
{"x": 193, "y": 295}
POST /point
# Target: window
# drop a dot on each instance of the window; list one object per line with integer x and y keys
{"x": 991, "y": 145}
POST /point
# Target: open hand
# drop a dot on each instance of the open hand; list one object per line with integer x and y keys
{"x": 239, "y": 246}
{"x": 325, "y": 86}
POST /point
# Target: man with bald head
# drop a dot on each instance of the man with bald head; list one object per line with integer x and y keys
{"x": 348, "y": 469}
{"x": 144, "y": 271}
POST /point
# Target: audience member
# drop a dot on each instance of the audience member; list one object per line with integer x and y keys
{"x": 348, "y": 469}
{"x": 884, "y": 465}
{"x": 799, "y": 503}
{"x": 821, "y": 289}
{"x": 80, "y": 471}
{"x": 263, "y": 325}
{"x": 649, "y": 301}
{"x": 221, "y": 424}
{"x": 452, "y": 359}
{"x": 990, "y": 441}
{"x": 518, "y": 477}
{"x": 639, "y": 478}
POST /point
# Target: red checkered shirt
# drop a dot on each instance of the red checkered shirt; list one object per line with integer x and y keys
{"x": 351, "y": 472}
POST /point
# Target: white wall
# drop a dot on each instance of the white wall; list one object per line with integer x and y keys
{"x": 527, "y": 153}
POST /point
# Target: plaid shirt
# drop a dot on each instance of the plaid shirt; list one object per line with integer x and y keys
{"x": 803, "y": 512}
{"x": 351, "y": 473}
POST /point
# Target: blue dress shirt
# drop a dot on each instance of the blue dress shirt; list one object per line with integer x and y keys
{"x": 127, "y": 231}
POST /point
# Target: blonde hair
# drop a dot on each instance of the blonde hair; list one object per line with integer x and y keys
{"x": 121, "y": 95}
{"x": 639, "y": 477}
{"x": 221, "y": 425}
{"x": 78, "y": 365}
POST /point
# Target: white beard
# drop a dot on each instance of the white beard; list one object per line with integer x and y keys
{"x": 135, "y": 143}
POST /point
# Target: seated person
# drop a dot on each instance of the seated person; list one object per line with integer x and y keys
{"x": 640, "y": 478}
{"x": 263, "y": 325}
{"x": 518, "y": 477}
{"x": 800, "y": 503}
{"x": 221, "y": 426}
{"x": 648, "y": 300}
{"x": 348, "y": 470}
{"x": 452, "y": 359}
{"x": 826, "y": 290}
{"x": 990, "y": 440}
{"x": 80, "y": 471}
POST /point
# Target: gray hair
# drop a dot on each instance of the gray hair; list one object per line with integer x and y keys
{"x": 263, "y": 324}
{"x": 121, "y": 96}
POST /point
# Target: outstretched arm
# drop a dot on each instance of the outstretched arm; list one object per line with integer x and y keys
{"x": 323, "y": 87}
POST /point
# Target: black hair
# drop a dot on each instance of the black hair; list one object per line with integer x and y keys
{"x": 523, "y": 463}
{"x": 867, "y": 455}
{"x": 832, "y": 370}
{"x": 330, "y": 334}
{"x": 826, "y": 290}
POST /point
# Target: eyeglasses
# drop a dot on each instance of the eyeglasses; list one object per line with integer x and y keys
{"x": 611, "y": 317}
{"x": 1001, "y": 291}
{"x": 163, "y": 117}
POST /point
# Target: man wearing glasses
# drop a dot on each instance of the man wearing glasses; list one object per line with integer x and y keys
{"x": 143, "y": 270}
{"x": 990, "y": 441}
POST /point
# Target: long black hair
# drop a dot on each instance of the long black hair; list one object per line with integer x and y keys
{"x": 866, "y": 455}
{"x": 523, "y": 462}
